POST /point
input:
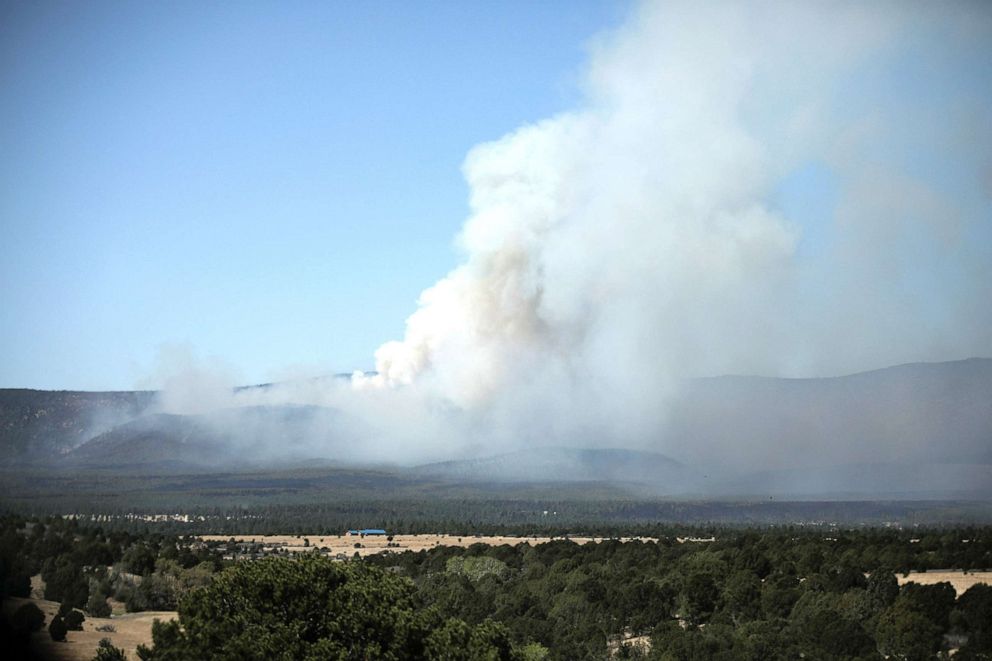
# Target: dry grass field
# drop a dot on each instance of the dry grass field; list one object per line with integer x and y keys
{"x": 372, "y": 544}
{"x": 130, "y": 630}
{"x": 960, "y": 580}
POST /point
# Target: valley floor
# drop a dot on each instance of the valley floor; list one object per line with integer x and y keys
{"x": 335, "y": 545}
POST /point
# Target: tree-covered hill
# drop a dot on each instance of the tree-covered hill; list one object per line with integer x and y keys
{"x": 44, "y": 424}
{"x": 918, "y": 431}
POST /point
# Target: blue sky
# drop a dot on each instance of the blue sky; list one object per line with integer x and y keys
{"x": 269, "y": 184}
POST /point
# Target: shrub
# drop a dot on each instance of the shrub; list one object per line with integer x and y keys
{"x": 64, "y": 581}
{"x": 57, "y": 629}
{"x": 106, "y": 651}
{"x": 313, "y": 607}
{"x": 976, "y": 612}
{"x": 28, "y": 618}
{"x": 476, "y": 568}
{"x": 97, "y": 606}
{"x": 72, "y": 618}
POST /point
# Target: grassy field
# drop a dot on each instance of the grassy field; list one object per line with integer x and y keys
{"x": 130, "y": 630}
{"x": 373, "y": 544}
{"x": 961, "y": 581}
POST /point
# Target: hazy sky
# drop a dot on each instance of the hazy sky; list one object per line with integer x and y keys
{"x": 273, "y": 185}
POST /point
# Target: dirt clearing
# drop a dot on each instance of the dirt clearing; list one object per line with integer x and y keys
{"x": 372, "y": 544}
{"x": 960, "y": 580}
{"x": 131, "y": 630}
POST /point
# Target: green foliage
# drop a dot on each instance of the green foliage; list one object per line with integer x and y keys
{"x": 97, "y": 605}
{"x": 166, "y": 586}
{"x": 455, "y": 640}
{"x": 106, "y": 651}
{"x": 882, "y": 589}
{"x": 749, "y": 595}
{"x": 698, "y": 598}
{"x": 934, "y": 602}
{"x": 14, "y": 581}
{"x": 72, "y": 618}
{"x": 314, "y": 608}
{"x": 976, "y": 611}
{"x": 57, "y": 629}
{"x": 907, "y": 634}
{"x": 742, "y": 596}
{"x": 823, "y": 628}
{"x": 154, "y": 592}
{"x": 139, "y": 559}
{"x": 913, "y": 626}
{"x": 64, "y": 581}
{"x": 476, "y": 568}
{"x": 671, "y": 643}
{"x": 779, "y": 594}
{"x": 27, "y": 618}
{"x": 15, "y": 571}
{"x": 533, "y": 652}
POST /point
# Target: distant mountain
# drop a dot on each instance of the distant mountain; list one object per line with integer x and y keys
{"x": 921, "y": 413}
{"x": 229, "y": 438}
{"x": 558, "y": 464}
{"x": 159, "y": 439}
{"x": 45, "y": 425}
{"x": 888, "y": 481}
{"x": 651, "y": 474}
{"x": 41, "y": 424}
{"x": 910, "y": 429}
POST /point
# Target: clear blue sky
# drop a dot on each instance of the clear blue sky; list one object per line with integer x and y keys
{"x": 271, "y": 184}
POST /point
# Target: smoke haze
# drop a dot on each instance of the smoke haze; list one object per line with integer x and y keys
{"x": 641, "y": 239}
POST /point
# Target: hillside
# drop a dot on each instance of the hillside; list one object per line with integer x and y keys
{"x": 233, "y": 438}
{"x": 905, "y": 431}
{"x": 917, "y": 413}
{"x": 153, "y": 439}
{"x": 39, "y": 424}
{"x": 557, "y": 464}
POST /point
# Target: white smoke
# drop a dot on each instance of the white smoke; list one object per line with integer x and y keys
{"x": 189, "y": 384}
{"x": 616, "y": 249}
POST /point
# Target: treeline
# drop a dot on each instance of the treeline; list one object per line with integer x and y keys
{"x": 747, "y": 595}
{"x": 312, "y": 608}
{"x": 769, "y": 593}
{"x": 82, "y": 566}
{"x": 467, "y": 516}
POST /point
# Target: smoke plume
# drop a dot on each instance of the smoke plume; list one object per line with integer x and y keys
{"x": 616, "y": 249}
{"x": 644, "y": 237}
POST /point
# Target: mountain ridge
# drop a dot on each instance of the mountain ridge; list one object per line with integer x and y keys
{"x": 922, "y": 426}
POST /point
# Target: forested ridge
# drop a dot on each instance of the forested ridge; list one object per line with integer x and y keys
{"x": 766, "y": 593}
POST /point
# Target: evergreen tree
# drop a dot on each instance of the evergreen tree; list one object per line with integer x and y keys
{"x": 314, "y": 608}
{"x": 106, "y": 651}
{"x": 57, "y": 629}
